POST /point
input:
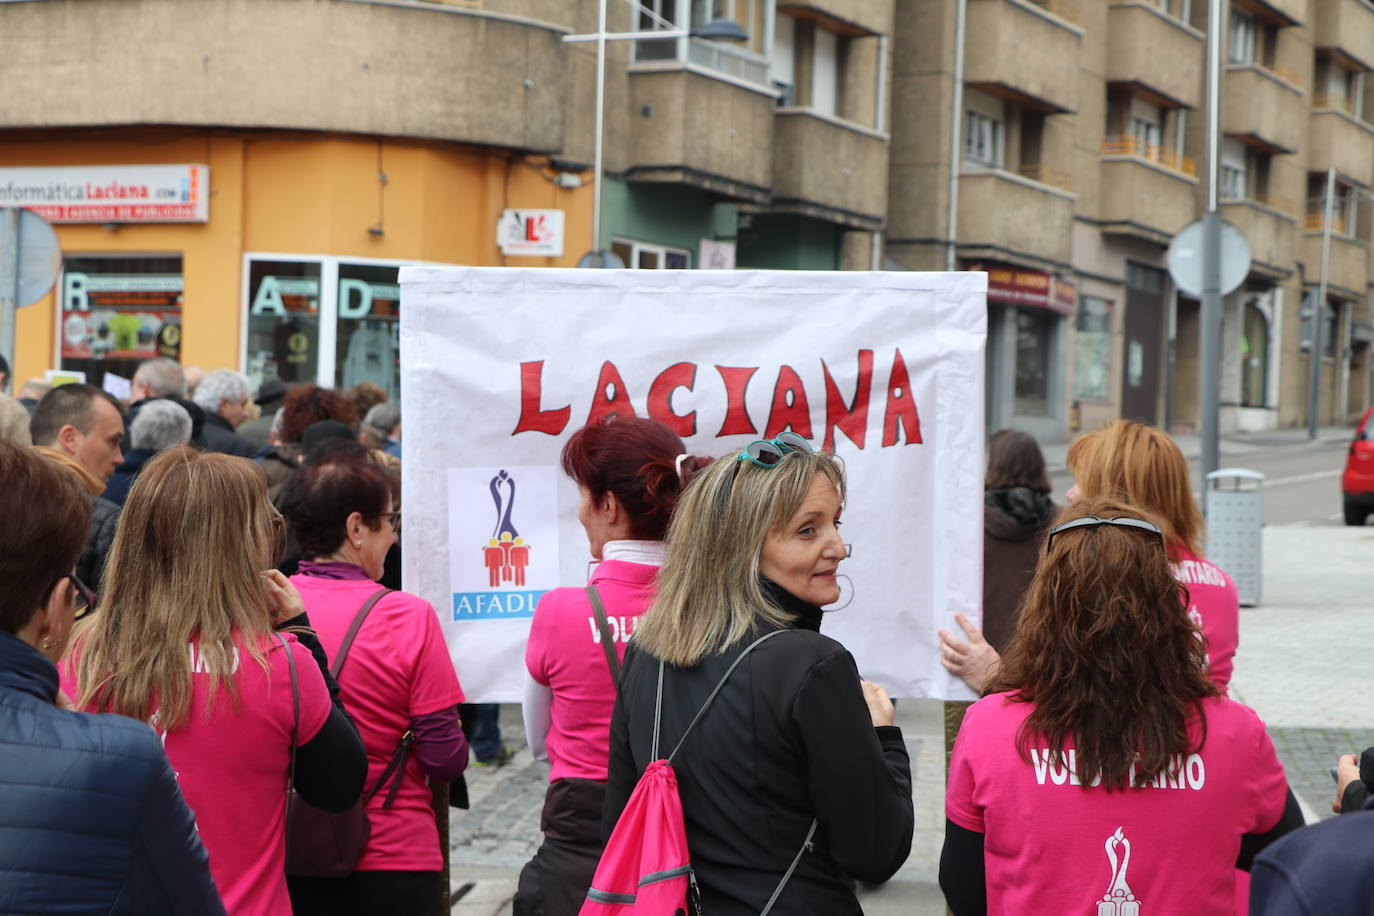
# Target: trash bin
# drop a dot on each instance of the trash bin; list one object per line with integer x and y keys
{"x": 1235, "y": 522}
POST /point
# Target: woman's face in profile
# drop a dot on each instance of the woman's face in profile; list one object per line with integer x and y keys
{"x": 804, "y": 553}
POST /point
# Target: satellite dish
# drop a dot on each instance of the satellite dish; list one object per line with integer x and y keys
{"x": 1185, "y": 258}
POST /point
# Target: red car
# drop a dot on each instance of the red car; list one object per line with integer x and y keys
{"x": 1357, "y": 483}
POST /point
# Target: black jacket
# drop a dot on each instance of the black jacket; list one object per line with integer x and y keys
{"x": 219, "y": 436}
{"x": 117, "y": 489}
{"x": 1014, "y": 524}
{"x": 788, "y": 739}
{"x": 90, "y": 566}
{"x": 1323, "y": 870}
{"x": 91, "y": 819}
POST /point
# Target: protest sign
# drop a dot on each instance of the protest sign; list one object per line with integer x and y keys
{"x": 500, "y": 366}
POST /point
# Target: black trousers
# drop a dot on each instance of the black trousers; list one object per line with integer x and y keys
{"x": 367, "y": 893}
{"x": 555, "y": 881}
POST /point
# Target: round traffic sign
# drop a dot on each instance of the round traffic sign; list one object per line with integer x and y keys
{"x": 1185, "y": 258}
{"x": 40, "y": 257}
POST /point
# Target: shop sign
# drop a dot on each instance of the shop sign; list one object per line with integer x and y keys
{"x": 110, "y": 193}
{"x": 121, "y": 316}
{"x": 716, "y": 255}
{"x": 536, "y": 233}
{"x": 1030, "y": 287}
{"x": 361, "y": 299}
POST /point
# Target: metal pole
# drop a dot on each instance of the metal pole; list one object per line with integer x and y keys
{"x": 956, "y": 150}
{"x": 1209, "y": 408}
{"x": 1314, "y": 355}
{"x": 600, "y": 118}
{"x": 9, "y": 295}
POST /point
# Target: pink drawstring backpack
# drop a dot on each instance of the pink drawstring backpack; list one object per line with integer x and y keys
{"x": 646, "y": 869}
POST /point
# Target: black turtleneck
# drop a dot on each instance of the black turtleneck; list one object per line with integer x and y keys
{"x": 808, "y": 616}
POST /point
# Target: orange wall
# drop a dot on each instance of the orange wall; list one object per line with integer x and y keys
{"x": 303, "y": 195}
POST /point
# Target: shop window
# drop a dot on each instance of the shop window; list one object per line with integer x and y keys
{"x": 368, "y": 338}
{"x": 646, "y": 256}
{"x": 283, "y": 321}
{"x": 1254, "y": 354}
{"x": 1093, "y": 349}
{"x": 1034, "y": 346}
{"x": 118, "y": 311}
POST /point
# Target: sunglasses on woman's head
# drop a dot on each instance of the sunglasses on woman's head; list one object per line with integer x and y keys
{"x": 85, "y": 598}
{"x": 768, "y": 453}
{"x": 1092, "y": 521}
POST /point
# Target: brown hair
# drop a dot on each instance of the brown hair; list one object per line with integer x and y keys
{"x": 46, "y": 515}
{"x": 1105, "y": 652}
{"x": 193, "y": 538}
{"x": 1143, "y": 466}
{"x": 365, "y": 396}
{"x": 1014, "y": 460}
{"x": 311, "y": 404}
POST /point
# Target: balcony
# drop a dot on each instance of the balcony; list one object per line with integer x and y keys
{"x": 845, "y": 17}
{"x": 1149, "y": 49}
{"x": 1347, "y": 26}
{"x": 1147, "y": 191}
{"x": 1339, "y": 139}
{"x": 1002, "y": 214}
{"x": 1024, "y": 52}
{"x": 846, "y": 185}
{"x": 1349, "y": 266}
{"x": 1264, "y": 107}
{"x": 708, "y": 132}
{"x": 488, "y": 78}
{"x": 1270, "y": 228}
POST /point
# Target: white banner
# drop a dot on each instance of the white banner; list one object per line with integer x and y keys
{"x": 500, "y": 366}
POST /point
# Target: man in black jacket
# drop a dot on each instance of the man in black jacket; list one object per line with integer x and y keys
{"x": 224, "y": 395}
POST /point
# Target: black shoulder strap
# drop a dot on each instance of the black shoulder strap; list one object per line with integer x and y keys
{"x": 604, "y": 628}
{"x": 354, "y": 627}
{"x": 711, "y": 698}
{"x": 295, "y": 732}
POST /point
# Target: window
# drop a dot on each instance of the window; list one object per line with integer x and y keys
{"x": 1034, "y": 342}
{"x": 117, "y": 311}
{"x": 1344, "y": 204}
{"x": 283, "y": 321}
{"x": 1093, "y": 349}
{"x": 1147, "y": 133}
{"x": 1338, "y": 87}
{"x": 368, "y": 340}
{"x": 1234, "y": 167}
{"x": 825, "y": 72}
{"x": 785, "y": 60}
{"x": 646, "y": 256}
{"x": 747, "y": 61}
{"x": 1254, "y": 353}
{"x": 1242, "y": 34}
{"x": 804, "y": 46}
{"x": 982, "y": 141}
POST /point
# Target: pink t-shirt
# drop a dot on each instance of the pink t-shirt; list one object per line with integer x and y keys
{"x": 398, "y": 668}
{"x": 1053, "y": 846}
{"x": 233, "y": 769}
{"x": 1214, "y": 605}
{"x": 564, "y": 653}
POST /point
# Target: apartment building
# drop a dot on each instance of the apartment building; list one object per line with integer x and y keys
{"x": 1082, "y": 133}
{"x": 300, "y": 151}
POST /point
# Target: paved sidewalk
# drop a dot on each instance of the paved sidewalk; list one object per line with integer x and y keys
{"x": 1231, "y": 445}
{"x": 1303, "y": 663}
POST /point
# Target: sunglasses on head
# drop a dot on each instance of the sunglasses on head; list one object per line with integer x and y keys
{"x": 1092, "y": 521}
{"x": 768, "y": 453}
{"x": 85, "y": 598}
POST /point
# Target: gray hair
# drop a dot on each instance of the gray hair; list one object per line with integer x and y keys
{"x": 222, "y": 385}
{"x": 384, "y": 417}
{"x": 160, "y": 424}
{"x": 14, "y": 422}
{"x": 708, "y": 593}
{"x": 163, "y": 376}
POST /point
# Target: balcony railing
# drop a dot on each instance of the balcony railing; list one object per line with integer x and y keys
{"x": 1346, "y": 104}
{"x": 1315, "y": 222}
{"x": 1045, "y": 175}
{"x": 1067, "y": 11}
{"x": 1131, "y": 145}
{"x": 1281, "y": 204}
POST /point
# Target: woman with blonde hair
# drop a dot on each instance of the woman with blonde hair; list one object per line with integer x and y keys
{"x": 1105, "y": 772}
{"x": 184, "y": 640}
{"x": 1144, "y": 467}
{"x": 796, "y": 767}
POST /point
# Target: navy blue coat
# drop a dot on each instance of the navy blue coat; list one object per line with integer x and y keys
{"x": 91, "y": 819}
{"x": 1323, "y": 870}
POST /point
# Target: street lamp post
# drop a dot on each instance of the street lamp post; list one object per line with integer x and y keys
{"x": 715, "y": 30}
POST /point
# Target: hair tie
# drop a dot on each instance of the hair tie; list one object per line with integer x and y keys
{"x": 678, "y": 464}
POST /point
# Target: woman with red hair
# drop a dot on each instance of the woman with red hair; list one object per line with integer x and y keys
{"x": 629, "y": 473}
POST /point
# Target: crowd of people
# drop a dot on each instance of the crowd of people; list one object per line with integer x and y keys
{"x": 216, "y": 697}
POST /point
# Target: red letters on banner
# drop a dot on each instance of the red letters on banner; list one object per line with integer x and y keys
{"x": 790, "y": 407}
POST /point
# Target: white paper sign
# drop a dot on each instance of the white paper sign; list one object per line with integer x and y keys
{"x": 500, "y": 366}
{"x": 531, "y": 232}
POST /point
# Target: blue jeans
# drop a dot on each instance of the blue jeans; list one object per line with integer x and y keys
{"x": 482, "y": 725}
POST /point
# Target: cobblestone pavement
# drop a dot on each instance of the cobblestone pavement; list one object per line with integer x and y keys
{"x": 1303, "y": 660}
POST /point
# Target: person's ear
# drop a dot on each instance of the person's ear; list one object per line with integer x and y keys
{"x": 611, "y": 509}
{"x": 68, "y": 439}
{"x": 353, "y": 526}
{"x": 54, "y": 618}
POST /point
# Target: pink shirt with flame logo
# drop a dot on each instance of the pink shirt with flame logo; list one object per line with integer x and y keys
{"x": 1214, "y": 605}
{"x": 1053, "y": 845}
{"x": 564, "y": 653}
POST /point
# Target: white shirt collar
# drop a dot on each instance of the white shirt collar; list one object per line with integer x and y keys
{"x": 649, "y": 553}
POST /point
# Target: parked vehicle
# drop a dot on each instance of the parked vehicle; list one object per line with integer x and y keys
{"x": 1357, "y": 483}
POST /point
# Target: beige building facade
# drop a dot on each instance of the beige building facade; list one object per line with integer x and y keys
{"x": 1081, "y": 155}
